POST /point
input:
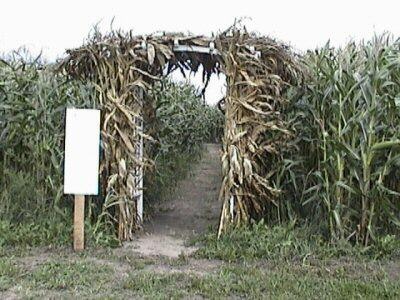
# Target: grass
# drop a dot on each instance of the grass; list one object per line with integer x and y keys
{"x": 8, "y": 272}
{"x": 51, "y": 230}
{"x": 118, "y": 273}
{"x": 74, "y": 276}
{"x": 254, "y": 282}
{"x": 56, "y": 231}
{"x": 287, "y": 243}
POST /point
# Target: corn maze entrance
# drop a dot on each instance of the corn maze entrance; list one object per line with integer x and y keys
{"x": 123, "y": 68}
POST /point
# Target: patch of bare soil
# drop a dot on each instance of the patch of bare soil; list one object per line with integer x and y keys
{"x": 189, "y": 211}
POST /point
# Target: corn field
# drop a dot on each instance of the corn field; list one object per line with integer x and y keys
{"x": 32, "y": 104}
{"x": 343, "y": 170}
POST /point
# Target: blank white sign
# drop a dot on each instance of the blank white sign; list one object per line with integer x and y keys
{"x": 82, "y": 142}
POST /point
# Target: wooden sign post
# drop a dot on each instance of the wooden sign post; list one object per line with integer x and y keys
{"x": 81, "y": 166}
{"x": 79, "y": 222}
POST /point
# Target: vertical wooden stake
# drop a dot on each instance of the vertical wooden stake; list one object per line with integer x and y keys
{"x": 79, "y": 220}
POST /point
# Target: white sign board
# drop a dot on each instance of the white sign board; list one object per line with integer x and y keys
{"x": 82, "y": 146}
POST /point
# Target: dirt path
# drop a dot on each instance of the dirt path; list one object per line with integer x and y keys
{"x": 189, "y": 211}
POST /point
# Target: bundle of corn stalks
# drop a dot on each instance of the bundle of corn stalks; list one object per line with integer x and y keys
{"x": 123, "y": 66}
{"x": 255, "y": 131}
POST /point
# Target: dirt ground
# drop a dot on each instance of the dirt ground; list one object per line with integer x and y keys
{"x": 190, "y": 210}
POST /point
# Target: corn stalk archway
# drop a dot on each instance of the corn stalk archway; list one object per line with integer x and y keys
{"x": 258, "y": 70}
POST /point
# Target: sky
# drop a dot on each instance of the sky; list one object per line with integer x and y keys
{"x": 51, "y": 26}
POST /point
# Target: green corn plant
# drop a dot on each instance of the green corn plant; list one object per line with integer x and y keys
{"x": 32, "y": 105}
{"x": 348, "y": 131}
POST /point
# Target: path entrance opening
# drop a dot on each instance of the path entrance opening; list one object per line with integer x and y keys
{"x": 187, "y": 211}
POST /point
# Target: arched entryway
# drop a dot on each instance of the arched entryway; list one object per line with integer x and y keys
{"x": 123, "y": 67}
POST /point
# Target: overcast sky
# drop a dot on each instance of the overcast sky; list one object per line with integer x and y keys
{"x": 51, "y": 26}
